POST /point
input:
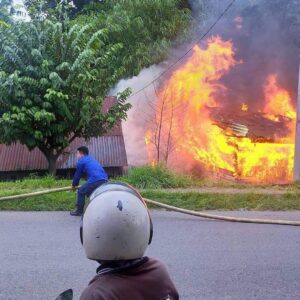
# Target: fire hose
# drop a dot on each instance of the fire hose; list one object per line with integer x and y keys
{"x": 169, "y": 207}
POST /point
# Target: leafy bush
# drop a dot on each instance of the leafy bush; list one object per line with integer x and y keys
{"x": 148, "y": 177}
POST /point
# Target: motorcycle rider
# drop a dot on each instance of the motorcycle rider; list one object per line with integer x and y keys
{"x": 116, "y": 231}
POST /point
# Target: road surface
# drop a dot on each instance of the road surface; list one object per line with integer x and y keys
{"x": 41, "y": 255}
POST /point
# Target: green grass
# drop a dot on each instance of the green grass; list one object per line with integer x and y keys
{"x": 57, "y": 201}
{"x": 156, "y": 177}
{"x": 155, "y": 181}
{"x": 195, "y": 201}
{"x": 250, "y": 201}
{"x": 191, "y": 200}
{"x": 148, "y": 177}
{"x": 30, "y": 184}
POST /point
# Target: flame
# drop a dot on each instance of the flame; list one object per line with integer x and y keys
{"x": 278, "y": 100}
{"x": 148, "y": 140}
{"x": 244, "y": 107}
{"x": 148, "y": 137}
{"x": 186, "y": 100}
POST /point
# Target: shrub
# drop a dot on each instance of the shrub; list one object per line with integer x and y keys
{"x": 148, "y": 177}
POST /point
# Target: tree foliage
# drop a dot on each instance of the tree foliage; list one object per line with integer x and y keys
{"x": 6, "y": 11}
{"x": 53, "y": 79}
{"x": 33, "y": 5}
{"x": 55, "y": 72}
{"x": 146, "y": 28}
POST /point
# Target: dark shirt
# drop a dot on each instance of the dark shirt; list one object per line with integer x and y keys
{"x": 146, "y": 280}
{"x": 91, "y": 168}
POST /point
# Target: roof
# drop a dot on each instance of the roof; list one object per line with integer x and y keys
{"x": 256, "y": 125}
{"x": 109, "y": 150}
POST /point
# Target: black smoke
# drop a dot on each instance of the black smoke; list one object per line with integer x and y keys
{"x": 265, "y": 38}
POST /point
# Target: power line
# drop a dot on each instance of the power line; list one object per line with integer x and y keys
{"x": 188, "y": 51}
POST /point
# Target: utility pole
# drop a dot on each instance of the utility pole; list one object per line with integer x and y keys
{"x": 297, "y": 137}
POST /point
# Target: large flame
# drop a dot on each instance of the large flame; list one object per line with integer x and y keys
{"x": 278, "y": 101}
{"x": 184, "y": 126}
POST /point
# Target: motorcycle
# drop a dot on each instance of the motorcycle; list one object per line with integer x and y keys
{"x": 66, "y": 295}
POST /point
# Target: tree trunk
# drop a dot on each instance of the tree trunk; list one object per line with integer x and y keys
{"x": 52, "y": 163}
{"x": 52, "y": 155}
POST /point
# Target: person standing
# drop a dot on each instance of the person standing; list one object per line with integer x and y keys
{"x": 96, "y": 176}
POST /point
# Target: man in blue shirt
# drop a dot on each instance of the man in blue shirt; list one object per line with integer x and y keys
{"x": 95, "y": 174}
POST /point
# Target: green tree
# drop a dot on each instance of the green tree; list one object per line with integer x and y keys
{"x": 33, "y": 5}
{"x": 146, "y": 28}
{"x": 53, "y": 79}
{"x": 6, "y": 11}
{"x": 55, "y": 72}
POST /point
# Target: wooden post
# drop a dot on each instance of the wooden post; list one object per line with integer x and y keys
{"x": 297, "y": 137}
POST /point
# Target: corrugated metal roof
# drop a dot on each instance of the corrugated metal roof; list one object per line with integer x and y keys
{"x": 109, "y": 150}
{"x": 17, "y": 157}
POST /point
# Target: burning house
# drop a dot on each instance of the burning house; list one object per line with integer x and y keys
{"x": 230, "y": 108}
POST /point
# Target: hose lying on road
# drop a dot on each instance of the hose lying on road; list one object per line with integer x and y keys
{"x": 169, "y": 207}
{"x": 223, "y": 218}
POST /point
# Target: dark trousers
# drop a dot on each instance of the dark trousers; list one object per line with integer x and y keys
{"x": 86, "y": 190}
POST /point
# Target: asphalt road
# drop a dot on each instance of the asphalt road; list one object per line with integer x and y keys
{"x": 41, "y": 255}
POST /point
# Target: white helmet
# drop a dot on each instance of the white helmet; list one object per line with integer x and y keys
{"x": 116, "y": 224}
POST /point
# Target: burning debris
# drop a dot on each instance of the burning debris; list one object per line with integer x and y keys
{"x": 253, "y": 125}
{"x": 245, "y": 143}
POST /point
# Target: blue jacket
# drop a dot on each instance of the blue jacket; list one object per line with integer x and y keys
{"x": 90, "y": 167}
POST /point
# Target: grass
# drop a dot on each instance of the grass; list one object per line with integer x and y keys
{"x": 249, "y": 201}
{"x": 57, "y": 201}
{"x": 156, "y": 177}
{"x": 191, "y": 200}
{"x": 153, "y": 182}
{"x": 196, "y": 201}
{"x": 30, "y": 184}
{"x": 159, "y": 177}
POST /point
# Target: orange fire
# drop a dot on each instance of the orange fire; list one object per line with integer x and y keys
{"x": 185, "y": 129}
{"x": 245, "y": 107}
{"x": 278, "y": 101}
